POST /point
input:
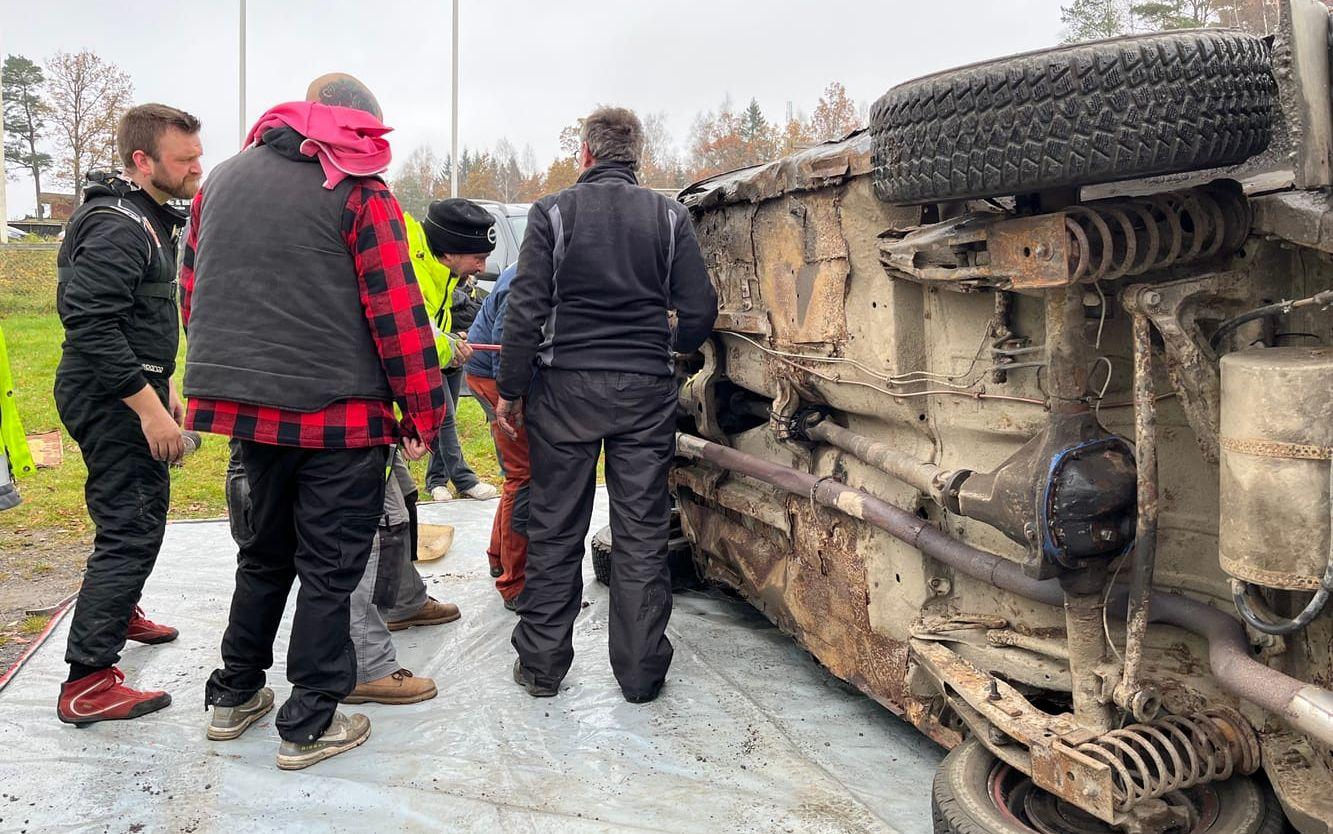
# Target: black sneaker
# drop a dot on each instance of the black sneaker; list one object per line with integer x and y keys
{"x": 528, "y": 681}
{"x": 511, "y": 605}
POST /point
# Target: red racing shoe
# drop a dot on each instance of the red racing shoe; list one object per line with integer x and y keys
{"x": 144, "y": 630}
{"x": 102, "y": 696}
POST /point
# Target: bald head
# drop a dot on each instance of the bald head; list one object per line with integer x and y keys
{"x": 338, "y": 89}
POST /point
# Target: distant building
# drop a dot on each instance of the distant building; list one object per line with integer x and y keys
{"x": 56, "y": 206}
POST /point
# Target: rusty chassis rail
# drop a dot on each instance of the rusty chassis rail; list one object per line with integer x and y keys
{"x": 1306, "y": 707}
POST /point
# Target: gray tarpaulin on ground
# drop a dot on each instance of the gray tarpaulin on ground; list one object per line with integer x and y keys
{"x": 748, "y": 735}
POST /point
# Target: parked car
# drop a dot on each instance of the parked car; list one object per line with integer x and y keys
{"x": 510, "y": 221}
{"x": 1018, "y": 415}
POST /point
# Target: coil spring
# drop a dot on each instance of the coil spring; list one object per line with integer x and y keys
{"x": 1130, "y": 236}
{"x": 1150, "y": 760}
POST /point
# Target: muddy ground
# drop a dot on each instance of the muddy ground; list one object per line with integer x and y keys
{"x": 37, "y": 570}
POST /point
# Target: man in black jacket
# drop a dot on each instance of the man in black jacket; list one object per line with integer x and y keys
{"x": 116, "y": 297}
{"x": 602, "y": 265}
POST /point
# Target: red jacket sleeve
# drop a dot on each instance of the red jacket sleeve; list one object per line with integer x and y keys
{"x": 187, "y": 261}
{"x": 377, "y": 239}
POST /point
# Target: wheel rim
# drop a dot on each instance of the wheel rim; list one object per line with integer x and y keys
{"x": 1030, "y": 808}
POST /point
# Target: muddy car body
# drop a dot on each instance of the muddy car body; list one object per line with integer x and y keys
{"x": 1006, "y": 446}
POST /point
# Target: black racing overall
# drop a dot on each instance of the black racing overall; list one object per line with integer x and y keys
{"x": 116, "y": 296}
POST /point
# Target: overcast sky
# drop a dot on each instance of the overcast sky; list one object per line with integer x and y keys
{"x": 528, "y": 67}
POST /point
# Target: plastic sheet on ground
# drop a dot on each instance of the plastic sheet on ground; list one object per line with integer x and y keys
{"x": 749, "y": 734}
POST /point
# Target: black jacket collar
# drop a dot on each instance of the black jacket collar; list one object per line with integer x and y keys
{"x": 610, "y": 171}
{"x": 287, "y": 143}
{"x": 116, "y": 184}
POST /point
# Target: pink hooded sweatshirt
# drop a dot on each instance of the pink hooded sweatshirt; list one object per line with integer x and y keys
{"x": 347, "y": 142}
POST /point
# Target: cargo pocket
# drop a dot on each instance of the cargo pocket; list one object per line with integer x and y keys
{"x": 393, "y": 538}
{"x": 356, "y": 533}
{"x": 238, "y": 509}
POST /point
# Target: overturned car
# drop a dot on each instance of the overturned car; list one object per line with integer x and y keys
{"x": 1019, "y": 417}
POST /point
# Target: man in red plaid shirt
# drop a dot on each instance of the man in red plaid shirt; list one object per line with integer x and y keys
{"x": 305, "y": 326}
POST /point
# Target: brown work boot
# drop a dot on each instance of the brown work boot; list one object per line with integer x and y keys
{"x": 399, "y": 688}
{"x": 433, "y": 612}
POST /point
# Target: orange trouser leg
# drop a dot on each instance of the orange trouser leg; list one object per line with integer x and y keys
{"x": 510, "y": 546}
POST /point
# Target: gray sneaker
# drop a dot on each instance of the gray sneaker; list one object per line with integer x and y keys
{"x": 229, "y": 722}
{"x": 345, "y": 732}
{"x": 528, "y": 681}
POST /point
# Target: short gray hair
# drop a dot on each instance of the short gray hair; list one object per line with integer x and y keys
{"x": 613, "y": 134}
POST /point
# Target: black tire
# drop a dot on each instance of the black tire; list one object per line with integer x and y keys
{"x": 601, "y": 555}
{"x": 1076, "y": 115}
{"x": 680, "y": 559}
{"x": 961, "y": 801}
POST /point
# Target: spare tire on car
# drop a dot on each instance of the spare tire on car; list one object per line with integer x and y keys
{"x": 1076, "y": 115}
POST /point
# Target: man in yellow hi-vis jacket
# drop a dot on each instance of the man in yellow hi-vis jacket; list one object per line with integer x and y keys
{"x": 448, "y": 246}
{"x": 14, "y": 456}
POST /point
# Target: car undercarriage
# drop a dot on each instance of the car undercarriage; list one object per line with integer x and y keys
{"x": 1029, "y": 437}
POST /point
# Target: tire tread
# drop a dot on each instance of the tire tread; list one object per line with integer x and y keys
{"x": 1077, "y": 115}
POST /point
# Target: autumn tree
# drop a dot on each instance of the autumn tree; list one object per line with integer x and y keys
{"x": 835, "y": 114}
{"x": 26, "y": 115}
{"x": 480, "y": 176}
{"x": 564, "y": 171}
{"x": 796, "y": 133}
{"x": 715, "y": 142}
{"x": 508, "y": 175}
{"x": 659, "y": 165}
{"x": 418, "y": 182}
{"x": 533, "y": 184}
{"x": 571, "y": 138}
{"x": 88, "y": 96}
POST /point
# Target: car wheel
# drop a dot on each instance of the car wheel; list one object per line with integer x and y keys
{"x": 976, "y": 793}
{"x": 601, "y": 555}
{"x": 1076, "y": 115}
{"x": 680, "y": 557}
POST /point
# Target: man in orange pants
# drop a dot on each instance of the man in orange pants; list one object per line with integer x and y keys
{"x": 508, "y": 551}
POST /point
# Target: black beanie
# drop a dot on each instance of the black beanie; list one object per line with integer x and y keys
{"x": 459, "y": 227}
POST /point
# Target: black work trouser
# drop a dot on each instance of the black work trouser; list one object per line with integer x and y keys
{"x": 313, "y": 515}
{"x": 571, "y": 416}
{"x": 127, "y": 493}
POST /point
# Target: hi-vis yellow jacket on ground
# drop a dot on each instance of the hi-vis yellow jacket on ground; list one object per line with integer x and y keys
{"x": 437, "y": 284}
{"x": 14, "y": 454}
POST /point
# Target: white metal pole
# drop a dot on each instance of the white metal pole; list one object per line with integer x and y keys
{"x": 241, "y": 118}
{"x": 4, "y": 206}
{"x": 453, "y": 142}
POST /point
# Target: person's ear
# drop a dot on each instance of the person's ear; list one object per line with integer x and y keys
{"x": 143, "y": 163}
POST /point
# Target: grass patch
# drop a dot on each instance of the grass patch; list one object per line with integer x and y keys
{"x": 33, "y": 624}
{"x": 53, "y": 498}
{"x": 27, "y": 281}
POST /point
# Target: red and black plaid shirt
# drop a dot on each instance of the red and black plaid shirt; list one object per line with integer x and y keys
{"x": 372, "y": 225}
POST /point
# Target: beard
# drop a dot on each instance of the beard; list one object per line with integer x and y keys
{"x": 183, "y": 189}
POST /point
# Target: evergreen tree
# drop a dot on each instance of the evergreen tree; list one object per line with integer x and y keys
{"x": 26, "y": 113}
